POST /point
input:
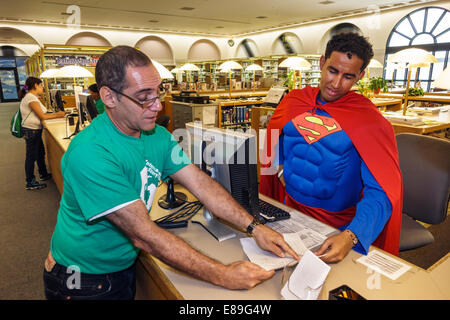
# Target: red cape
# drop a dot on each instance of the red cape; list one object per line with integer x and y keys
{"x": 371, "y": 134}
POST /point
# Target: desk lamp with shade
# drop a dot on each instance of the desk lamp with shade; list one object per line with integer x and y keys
{"x": 228, "y": 66}
{"x": 443, "y": 80}
{"x": 414, "y": 58}
{"x": 191, "y": 68}
{"x": 297, "y": 64}
{"x": 373, "y": 64}
{"x": 49, "y": 73}
{"x": 73, "y": 72}
{"x": 254, "y": 67}
{"x": 164, "y": 73}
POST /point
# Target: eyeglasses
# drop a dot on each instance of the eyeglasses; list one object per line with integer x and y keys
{"x": 147, "y": 103}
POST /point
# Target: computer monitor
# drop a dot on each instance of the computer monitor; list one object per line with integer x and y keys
{"x": 56, "y": 100}
{"x": 88, "y": 109}
{"x": 230, "y": 158}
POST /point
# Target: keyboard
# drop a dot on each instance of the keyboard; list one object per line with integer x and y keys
{"x": 271, "y": 213}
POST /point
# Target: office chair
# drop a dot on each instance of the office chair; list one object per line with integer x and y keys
{"x": 425, "y": 166}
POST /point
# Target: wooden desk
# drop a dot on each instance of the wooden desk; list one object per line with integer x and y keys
{"x": 436, "y": 123}
{"x": 55, "y": 131}
{"x": 388, "y": 103}
{"x": 156, "y": 280}
{"x": 431, "y": 98}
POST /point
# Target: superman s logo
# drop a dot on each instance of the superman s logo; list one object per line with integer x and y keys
{"x": 315, "y": 127}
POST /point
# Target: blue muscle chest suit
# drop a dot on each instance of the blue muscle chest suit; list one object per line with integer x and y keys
{"x": 330, "y": 174}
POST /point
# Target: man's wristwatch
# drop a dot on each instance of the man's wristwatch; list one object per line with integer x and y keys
{"x": 352, "y": 236}
{"x": 252, "y": 225}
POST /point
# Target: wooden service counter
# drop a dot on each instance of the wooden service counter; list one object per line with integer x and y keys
{"x": 156, "y": 280}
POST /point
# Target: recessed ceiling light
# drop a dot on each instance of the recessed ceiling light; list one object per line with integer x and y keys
{"x": 326, "y": 2}
{"x": 187, "y": 8}
{"x": 261, "y": 17}
{"x": 153, "y": 21}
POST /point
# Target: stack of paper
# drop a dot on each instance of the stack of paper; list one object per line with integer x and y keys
{"x": 398, "y": 118}
{"x": 307, "y": 280}
{"x": 268, "y": 260}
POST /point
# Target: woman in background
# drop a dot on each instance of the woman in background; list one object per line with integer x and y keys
{"x": 93, "y": 91}
{"x": 33, "y": 113}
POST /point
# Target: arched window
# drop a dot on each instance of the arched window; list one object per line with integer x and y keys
{"x": 426, "y": 28}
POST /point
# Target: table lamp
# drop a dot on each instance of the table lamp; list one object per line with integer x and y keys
{"x": 189, "y": 67}
{"x": 164, "y": 73}
{"x": 414, "y": 58}
{"x": 254, "y": 67}
{"x": 373, "y": 64}
{"x": 73, "y": 72}
{"x": 228, "y": 66}
{"x": 443, "y": 81}
{"x": 297, "y": 64}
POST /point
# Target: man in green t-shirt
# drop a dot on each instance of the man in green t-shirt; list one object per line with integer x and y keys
{"x": 111, "y": 171}
{"x": 93, "y": 91}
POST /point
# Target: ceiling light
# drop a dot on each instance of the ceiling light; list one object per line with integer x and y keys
{"x": 187, "y": 8}
{"x": 326, "y": 2}
{"x": 219, "y": 27}
{"x": 261, "y": 17}
{"x": 153, "y": 21}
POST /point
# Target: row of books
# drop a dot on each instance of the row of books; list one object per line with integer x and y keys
{"x": 236, "y": 114}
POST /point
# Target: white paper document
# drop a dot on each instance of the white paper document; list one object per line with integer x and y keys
{"x": 384, "y": 264}
{"x": 268, "y": 260}
{"x": 307, "y": 279}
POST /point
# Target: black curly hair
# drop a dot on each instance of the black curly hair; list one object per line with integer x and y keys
{"x": 351, "y": 43}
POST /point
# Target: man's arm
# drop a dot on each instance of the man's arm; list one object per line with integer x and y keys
{"x": 146, "y": 235}
{"x": 222, "y": 204}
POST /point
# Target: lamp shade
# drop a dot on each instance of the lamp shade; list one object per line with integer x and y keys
{"x": 73, "y": 72}
{"x": 164, "y": 73}
{"x": 50, "y": 73}
{"x": 189, "y": 67}
{"x": 176, "y": 70}
{"x": 374, "y": 64}
{"x": 228, "y": 66}
{"x": 413, "y": 57}
{"x": 254, "y": 67}
{"x": 443, "y": 81}
{"x": 296, "y": 63}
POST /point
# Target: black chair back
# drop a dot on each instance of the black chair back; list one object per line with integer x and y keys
{"x": 425, "y": 166}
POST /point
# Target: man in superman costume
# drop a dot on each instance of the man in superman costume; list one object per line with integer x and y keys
{"x": 330, "y": 154}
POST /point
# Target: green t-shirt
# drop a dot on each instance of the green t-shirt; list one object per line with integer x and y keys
{"x": 100, "y": 106}
{"x": 103, "y": 171}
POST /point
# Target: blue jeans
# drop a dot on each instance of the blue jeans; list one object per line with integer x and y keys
{"x": 62, "y": 283}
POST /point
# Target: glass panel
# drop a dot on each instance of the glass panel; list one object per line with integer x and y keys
{"x": 439, "y": 66}
{"x": 8, "y": 82}
{"x": 7, "y": 62}
{"x": 432, "y": 18}
{"x": 398, "y": 40}
{"x": 405, "y": 28}
{"x": 443, "y": 25}
{"x": 418, "y": 19}
{"x": 424, "y": 38}
{"x": 21, "y": 71}
{"x": 445, "y": 37}
{"x": 424, "y": 73}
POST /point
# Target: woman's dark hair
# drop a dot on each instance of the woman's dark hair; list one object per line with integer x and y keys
{"x": 93, "y": 88}
{"x": 29, "y": 85}
{"x": 351, "y": 43}
{"x": 111, "y": 67}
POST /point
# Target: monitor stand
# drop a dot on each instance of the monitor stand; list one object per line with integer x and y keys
{"x": 216, "y": 228}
